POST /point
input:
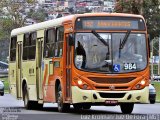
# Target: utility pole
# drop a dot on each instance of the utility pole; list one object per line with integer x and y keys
{"x": 159, "y": 57}
{"x": 152, "y": 60}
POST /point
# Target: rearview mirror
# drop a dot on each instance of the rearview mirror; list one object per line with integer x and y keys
{"x": 71, "y": 40}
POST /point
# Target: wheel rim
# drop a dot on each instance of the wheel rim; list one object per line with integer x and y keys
{"x": 25, "y": 99}
{"x": 59, "y": 100}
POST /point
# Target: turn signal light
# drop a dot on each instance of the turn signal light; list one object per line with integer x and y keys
{"x": 82, "y": 84}
{"x": 79, "y": 82}
{"x": 140, "y": 85}
{"x": 143, "y": 82}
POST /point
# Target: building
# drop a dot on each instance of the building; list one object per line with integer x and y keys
{"x": 109, "y": 5}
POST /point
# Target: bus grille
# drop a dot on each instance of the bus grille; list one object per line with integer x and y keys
{"x": 112, "y": 95}
{"x": 116, "y": 88}
{"x": 112, "y": 80}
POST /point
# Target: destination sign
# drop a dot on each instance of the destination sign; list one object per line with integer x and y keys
{"x": 110, "y": 23}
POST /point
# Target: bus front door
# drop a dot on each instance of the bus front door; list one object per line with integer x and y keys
{"x": 68, "y": 70}
{"x": 38, "y": 65}
{"x": 19, "y": 70}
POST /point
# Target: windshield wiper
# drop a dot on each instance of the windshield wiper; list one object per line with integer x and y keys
{"x": 100, "y": 38}
{"x": 121, "y": 45}
{"x": 124, "y": 39}
{"x": 104, "y": 42}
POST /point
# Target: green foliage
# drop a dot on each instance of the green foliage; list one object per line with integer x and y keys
{"x": 7, "y": 25}
{"x": 150, "y": 9}
{"x": 151, "y": 13}
{"x": 31, "y": 1}
{"x": 128, "y": 6}
{"x": 30, "y": 13}
{"x": 157, "y": 87}
{"x": 12, "y": 19}
{"x": 38, "y": 15}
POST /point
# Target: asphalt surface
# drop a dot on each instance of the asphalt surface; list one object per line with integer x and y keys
{"x": 12, "y": 109}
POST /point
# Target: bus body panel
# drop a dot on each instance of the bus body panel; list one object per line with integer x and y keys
{"x": 39, "y": 57}
{"x": 12, "y": 78}
{"x": 19, "y": 66}
{"x": 29, "y": 75}
{"x": 48, "y": 91}
{"x": 12, "y": 72}
{"x": 135, "y": 94}
{"x": 41, "y": 74}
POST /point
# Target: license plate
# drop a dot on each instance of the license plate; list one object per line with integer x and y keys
{"x": 111, "y": 101}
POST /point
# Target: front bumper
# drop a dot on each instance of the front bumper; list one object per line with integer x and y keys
{"x": 88, "y": 96}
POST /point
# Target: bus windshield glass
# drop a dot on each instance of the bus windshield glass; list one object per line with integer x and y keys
{"x": 91, "y": 54}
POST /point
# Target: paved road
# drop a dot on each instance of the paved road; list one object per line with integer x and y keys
{"x": 12, "y": 109}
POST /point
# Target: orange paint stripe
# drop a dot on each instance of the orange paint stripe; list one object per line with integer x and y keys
{"x": 45, "y": 74}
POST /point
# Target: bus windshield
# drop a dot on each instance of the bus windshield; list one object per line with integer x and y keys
{"x": 91, "y": 54}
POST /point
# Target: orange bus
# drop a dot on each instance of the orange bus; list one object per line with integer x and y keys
{"x": 81, "y": 60}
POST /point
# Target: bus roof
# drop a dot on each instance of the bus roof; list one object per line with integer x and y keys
{"x": 39, "y": 26}
{"x": 59, "y": 21}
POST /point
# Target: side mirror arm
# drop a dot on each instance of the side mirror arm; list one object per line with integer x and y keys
{"x": 71, "y": 40}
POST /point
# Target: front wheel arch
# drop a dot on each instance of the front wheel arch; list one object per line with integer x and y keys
{"x": 24, "y": 84}
{"x": 57, "y": 83}
{"x": 62, "y": 107}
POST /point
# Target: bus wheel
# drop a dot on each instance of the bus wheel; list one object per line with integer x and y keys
{"x": 87, "y": 106}
{"x": 38, "y": 106}
{"x": 152, "y": 101}
{"x": 127, "y": 108}
{"x": 27, "y": 103}
{"x": 77, "y": 106}
{"x": 62, "y": 107}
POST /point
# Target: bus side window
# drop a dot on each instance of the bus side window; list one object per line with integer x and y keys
{"x": 59, "y": 42}
{"x": 25, "y": 46}
{"x": 49, "y": 43}
{"x": 32, "y": 45}
{"x": 29, "y": 46}
{"x": 13, "y": 48}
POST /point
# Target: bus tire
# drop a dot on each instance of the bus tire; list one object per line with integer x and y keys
{"x": 152, "y": 101}
{"x": 86, "y": 106}
{"x": 27, "y": 103}
{"x": 77, "y": 106}
{"x": 62, "y": 107}
{"x": 38, "y": 106}
{"x": 127, "y": 108}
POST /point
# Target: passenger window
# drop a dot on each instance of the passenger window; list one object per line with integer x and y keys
{"x": 60, "y": 34}
{"x": 59, "y": 43}
{"x": 49, "y": 43}
{"x": 25, "y": 46}
{"x": 13, "y": 48}
{"x": 32, "y": 46}
{"x": 29, "y": 46}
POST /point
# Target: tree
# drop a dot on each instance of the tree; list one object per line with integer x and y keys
{"x": 39, "y": 15}
{"x": 150, "y": 9}
{"x": 12, "y": 10}
{"x": 11, "y": 18}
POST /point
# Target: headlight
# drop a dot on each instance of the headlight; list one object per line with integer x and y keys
{"x": 79, "y": 82}
{"x": 140, "y": 85}
{"x": 82, "y": 84}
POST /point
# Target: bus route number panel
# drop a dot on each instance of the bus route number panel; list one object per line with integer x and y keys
{"x": 110, "y": 23}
